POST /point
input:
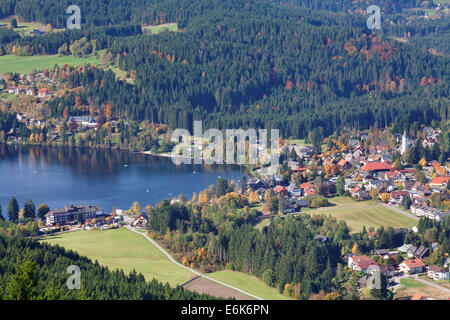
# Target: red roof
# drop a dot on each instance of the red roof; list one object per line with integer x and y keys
{"x": 342, "y": 163}
{"x": 414, "y": 263}
{"x": 399, "y": 194}
{"x": 43, "y": 90}
{"x": 363, "y": 262}
{"x": 376, "y": 166}
{"x": 278, "y": 189}
{"x": 440, "y": 180}
{"x": 310, "y": 192}
{"x": 307, "y": 185}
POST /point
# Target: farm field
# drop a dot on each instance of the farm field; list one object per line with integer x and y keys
{"x": 425, "y": 290}
{"x": 202, "y": 285}
{"x": 365, "y": 213}
{"x": 248, "y": 283}
{"x": 123, "y": 249}
{"x": 12, "y": 63}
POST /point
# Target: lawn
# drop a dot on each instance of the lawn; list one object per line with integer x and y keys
{"x": 161, "y": 28}
{"x": 248, "y": 283}
{"x": 24, "y": 64}
{"x": 411, "y": 283}
{"x": 364, "y": 213}
{"x": 123, "y": 249}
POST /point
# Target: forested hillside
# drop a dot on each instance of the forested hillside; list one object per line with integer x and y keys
{"x": 255, "y": 64}
{"x": 30, "y": 270}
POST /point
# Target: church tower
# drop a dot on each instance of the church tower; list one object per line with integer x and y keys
{"x": 405, "y": 143}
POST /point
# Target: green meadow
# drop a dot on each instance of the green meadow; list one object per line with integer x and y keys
{"x": 25, "y": 64}
{"x": 123, "y": 249}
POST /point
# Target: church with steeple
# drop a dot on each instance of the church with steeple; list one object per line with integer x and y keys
{"x": 405, "y": 143}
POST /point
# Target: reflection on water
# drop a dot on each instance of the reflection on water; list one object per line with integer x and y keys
{"x": 58, "y": 176}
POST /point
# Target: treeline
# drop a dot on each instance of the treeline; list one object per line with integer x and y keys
{"x": 50, "y": 43}
{"x": 30, "y": 270}
{"x": 215, "y": 231}
{"x": 294, "y": 76}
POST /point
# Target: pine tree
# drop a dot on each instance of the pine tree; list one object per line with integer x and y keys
{"x": 29, "y": 210}
{"x": 13, "y": 210}
{"x": 23, "y": 284}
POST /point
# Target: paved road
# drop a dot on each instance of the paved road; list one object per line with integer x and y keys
{"x": 394, "y": 208}
{"x": 187, "y": 268}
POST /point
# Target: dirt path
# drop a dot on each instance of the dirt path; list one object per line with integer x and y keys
{"x": 191, "y": 270}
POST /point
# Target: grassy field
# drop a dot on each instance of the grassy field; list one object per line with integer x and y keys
{"x": 411, "y": 283}
{"x": 161, "y": 28}
{"x": 123, "y": 249}
{"x": 25, "y": 27}
{"x": 12, "y": 63}
{"x": 248, "y": 283}
{"x": 364, "y": 213}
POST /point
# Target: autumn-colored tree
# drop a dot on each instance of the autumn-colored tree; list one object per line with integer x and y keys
{"x": 423, "y": 162}
{"x": 49, "y": 28}
{"x": 373, "y": 194}
{"x": 253, "y": 197}
{"x": 355, "y": 248}
{"x": 66, "y": 113}
{"x": 136, "y": 208}
{"x": 333, "y": 296}
{"x": 108, "y": 111}
{"x": 203, "y": 197}
{"x": 385, "y": 197}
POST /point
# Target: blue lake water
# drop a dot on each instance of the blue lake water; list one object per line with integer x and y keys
{"x": 60, "y": 176}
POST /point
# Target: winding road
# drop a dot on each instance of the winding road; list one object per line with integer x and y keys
{"x": 187, "y": 268}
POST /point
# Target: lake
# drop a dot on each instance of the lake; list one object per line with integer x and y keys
{"x": 60, "y": 176}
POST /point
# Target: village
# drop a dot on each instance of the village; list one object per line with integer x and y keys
{"x": 378, "y": 173}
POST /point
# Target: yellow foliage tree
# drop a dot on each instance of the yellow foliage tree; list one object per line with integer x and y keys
{"x": 385, "y": 197}
{"x": 423, "y": 162}
{"x": 355, "y": 248}
{"x": 203, "y": 197}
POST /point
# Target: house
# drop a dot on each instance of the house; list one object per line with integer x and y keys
{"x": 140, "y": 221}
{"x": 360, "y": 263}
{"x": 398, "y": 196}
{"x": 412, "y": 266}
{"x": 256, "y": 184}
{"x": 420, "y": 252}
{"x": 439, "y": 182}
{"x": 344, "y": 164}
{"x": 359, "y": 193}
{"x": 294, "y": 191}
{"x": 387, "y": 270}
{"x": 36, "y": 32}
{"x": 438, "y": 273}
{"x": 281, "y": 190}
{"x": 376, "y": 167}
{"x": 380, "y": 252}
{"x": 42, "y": 92}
